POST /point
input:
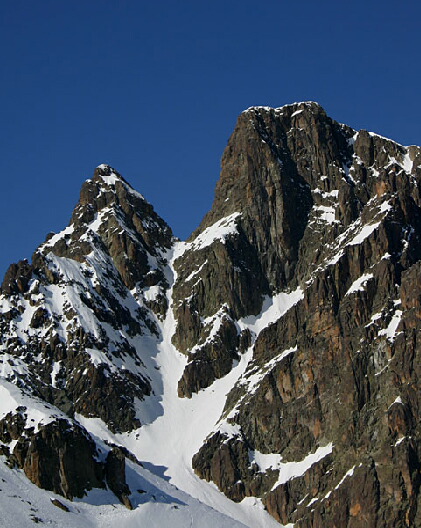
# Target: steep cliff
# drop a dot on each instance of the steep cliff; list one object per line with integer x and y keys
{"x": 323, "y": 425}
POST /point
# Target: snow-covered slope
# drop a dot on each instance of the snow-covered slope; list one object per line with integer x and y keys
{"x": 156, "y": 503}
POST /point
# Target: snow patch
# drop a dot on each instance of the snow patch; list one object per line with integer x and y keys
{"x": 407, "y": 163}
{"x": 373, "y": 319}
{"x": 98, "y": 357}
{"x": 196, "y": 272}
{"x": 273, "y": 309}
{"x": 385, "y": 206}
{"x": 398, "y": 401}
{"x": 363, "y": 234}
{"x": 326, "y": 195}
{"x": 37, "y": 411}
{"x": 55, "y": 372}
{"x": 373, "y": 134}
{"x": 325, "y": 213}
{"x": 264, "y": 461}
{"x": 220, "y": 230}
{"x": 112, "y": 179}
{"x": 360, "y": 283}
{"x": 151, "y": 293}
{"x": 55, "y": 238}
{"x": 349, "y": 473}
{"x": 297, "y": 112}
{"x": 390, "y": 331}
{"x": 291, "y": 470}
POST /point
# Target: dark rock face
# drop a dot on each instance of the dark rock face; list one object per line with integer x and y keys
{"x": 212, "y": 360}
{"x": 115, "y": 473}
{"x": 17, "y": 278}
{"x": 60, "y": 456}
{"x": 341, "y": 366}
{"x": 271, "y": 164}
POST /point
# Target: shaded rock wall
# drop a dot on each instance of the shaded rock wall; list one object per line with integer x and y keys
{"x": 340, "y": 366}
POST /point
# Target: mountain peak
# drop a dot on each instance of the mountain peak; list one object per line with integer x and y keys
{"x": 108, "y": 174}
{"x": 112, "y": 217}
{"x": 288, "y": 108}
{"x": 105, "y": 167}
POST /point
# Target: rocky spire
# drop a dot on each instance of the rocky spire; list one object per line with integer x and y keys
{"x": 336, "y": 213}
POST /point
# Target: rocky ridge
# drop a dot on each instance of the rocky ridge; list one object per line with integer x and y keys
{"x": 302, "y": 283}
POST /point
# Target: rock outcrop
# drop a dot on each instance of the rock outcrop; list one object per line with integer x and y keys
{"x": 57, "y": 453}
{"x": 60, "y": 457}
{"x": 115, "y": 473}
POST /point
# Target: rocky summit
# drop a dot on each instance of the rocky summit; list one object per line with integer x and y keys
{"x": 264, "y": 372}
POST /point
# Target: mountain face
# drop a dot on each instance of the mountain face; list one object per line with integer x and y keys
{"x": 275, "y": 353}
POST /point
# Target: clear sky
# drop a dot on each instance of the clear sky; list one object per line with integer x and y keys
{"x": 154, "y": 89}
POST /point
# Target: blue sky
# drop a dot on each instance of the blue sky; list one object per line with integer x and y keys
{"x": 154, "y": 89}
